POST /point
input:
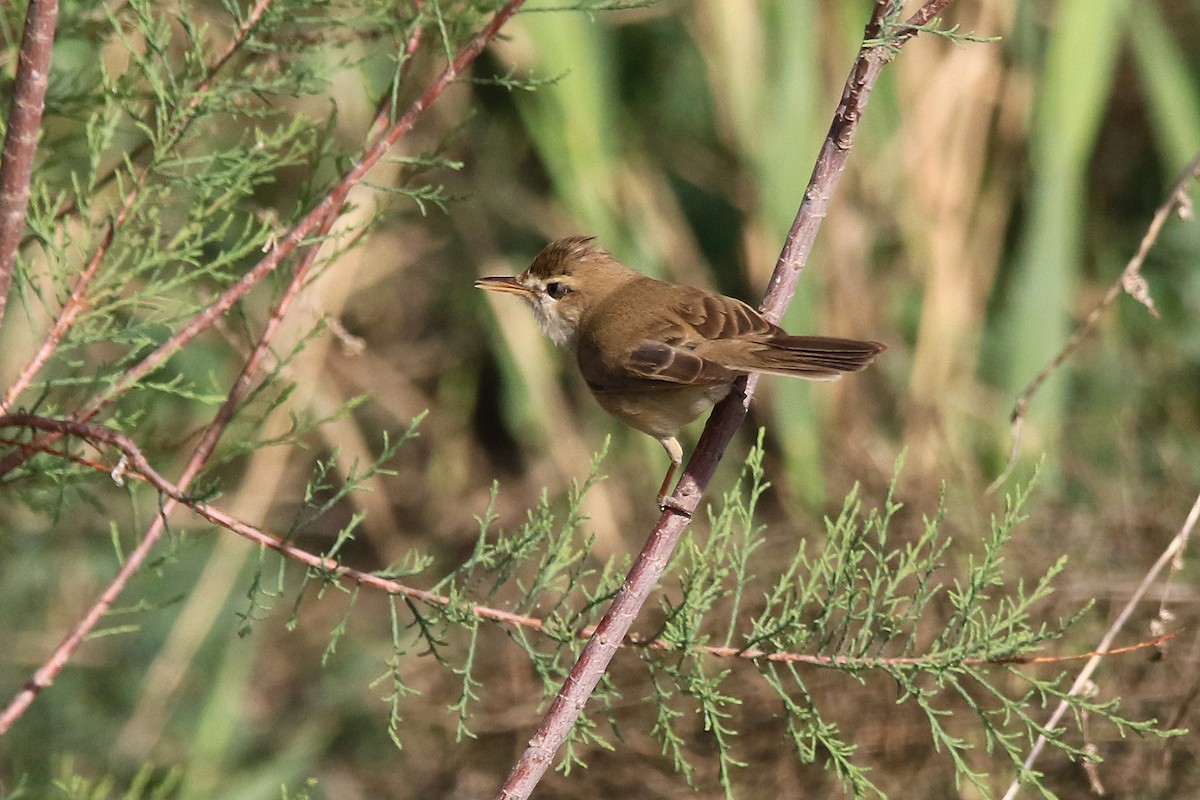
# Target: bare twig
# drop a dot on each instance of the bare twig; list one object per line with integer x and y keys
{"x": 1130, "y": 281}
{"x": 24, "y": 122}
{"x": 1168, "y": 557}
{"x": 884, "y": 42}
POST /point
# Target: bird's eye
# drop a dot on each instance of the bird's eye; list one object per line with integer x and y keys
{"x": 557, "y": 290}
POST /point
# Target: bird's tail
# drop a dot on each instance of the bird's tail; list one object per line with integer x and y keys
{"x": 820, "y": 358}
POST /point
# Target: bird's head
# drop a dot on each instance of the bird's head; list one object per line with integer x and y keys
{"x": 566, "y": 280}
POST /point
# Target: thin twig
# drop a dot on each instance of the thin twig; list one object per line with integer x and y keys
{"x": 386, "y": 106}
{"x": 24, "y": 122}
{"x": 651, "y": 562}
{"x": 71, "y": 309}
{"x": 1130, "y": 281}
{"x": 1168, "y": 557}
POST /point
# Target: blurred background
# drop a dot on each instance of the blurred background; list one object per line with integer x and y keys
{"x": 994, "y": 193}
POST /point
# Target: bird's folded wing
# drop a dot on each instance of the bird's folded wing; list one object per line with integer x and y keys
{"x": 659, "y": 361}
{"x": 728, "y": 334}
{"x": 716, "y": 317}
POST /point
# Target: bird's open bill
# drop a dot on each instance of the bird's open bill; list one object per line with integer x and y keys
{"x": 502, "y": 284}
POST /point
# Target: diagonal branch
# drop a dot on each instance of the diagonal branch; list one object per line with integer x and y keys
{"x": 1168, "y": 558}
{"x": 307, "y": 228}
{"x": 24, "y": 122}
{"x": 175, "y": 494}
{"x": 77, "y": 301}
{"x": 882, "y": 40}
{"x": 72, "y": 308}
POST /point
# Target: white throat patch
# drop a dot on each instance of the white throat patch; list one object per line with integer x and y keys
{"x": 560, "y": 330}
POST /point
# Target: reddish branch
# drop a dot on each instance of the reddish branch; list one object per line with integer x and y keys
{"x": 309, "y": 226}
{"x": 24, "y": 122}
{"x": 387, "y": 103}
{"x": 76, "y": 302}
{"x": 174, "y": 492}
{"x": 881, "y": 43}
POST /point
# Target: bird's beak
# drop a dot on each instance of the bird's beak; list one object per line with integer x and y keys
{"x": 503, "y": 284}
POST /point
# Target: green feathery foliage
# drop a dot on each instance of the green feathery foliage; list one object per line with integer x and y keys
{"x": 861, "y": 603}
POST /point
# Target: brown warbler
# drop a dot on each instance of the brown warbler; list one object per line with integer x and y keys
{"x": 655, "y": 354}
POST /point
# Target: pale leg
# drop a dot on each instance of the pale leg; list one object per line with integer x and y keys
{"x": 675, "y": 453}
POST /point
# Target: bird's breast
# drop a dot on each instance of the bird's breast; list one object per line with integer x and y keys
{"x": 660, "y": 412}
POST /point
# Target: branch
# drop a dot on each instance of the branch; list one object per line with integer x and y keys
{"x": 308, "y": 227}
{"x": 885, "y": 41}
{"x": 24, "y": 122}
{"x": 131, "y": 454}
{"x": 387, "y": 102}
{"x": 77, "y": 301}
{"x": 1129, "y": 281}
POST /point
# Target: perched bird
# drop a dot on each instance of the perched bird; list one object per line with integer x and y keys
{"x": 656, "y": 355}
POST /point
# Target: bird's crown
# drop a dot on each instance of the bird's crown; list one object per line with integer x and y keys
{"x": 562, "y": 256}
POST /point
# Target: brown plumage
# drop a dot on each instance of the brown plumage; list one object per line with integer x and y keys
{"x": 656, "y": 354}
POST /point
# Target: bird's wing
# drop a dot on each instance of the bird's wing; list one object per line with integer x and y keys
{"x": 728, "y": 334}
{"x": 681, "y": 353}
{"x": 661, "y": 361}
{"x": 713, "y": 317}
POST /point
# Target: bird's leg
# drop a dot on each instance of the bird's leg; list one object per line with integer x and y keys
{"x": 675, "y": 453}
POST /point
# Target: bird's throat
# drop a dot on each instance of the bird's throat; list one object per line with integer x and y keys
{"x": 560, "y": 330}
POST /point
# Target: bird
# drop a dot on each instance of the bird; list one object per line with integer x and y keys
{"x": 656, "y": 354}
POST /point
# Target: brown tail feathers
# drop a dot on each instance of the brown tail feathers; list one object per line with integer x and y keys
{"x": 812, "y": 357}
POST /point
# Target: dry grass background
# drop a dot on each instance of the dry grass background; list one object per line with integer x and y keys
{"x": 994, "y": 193}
